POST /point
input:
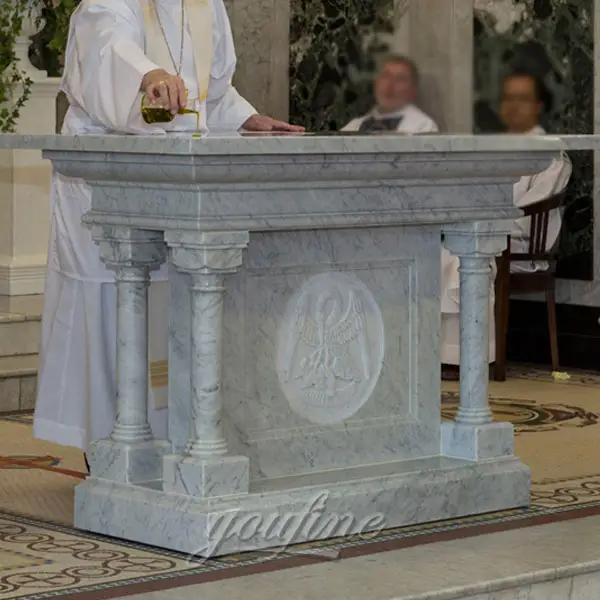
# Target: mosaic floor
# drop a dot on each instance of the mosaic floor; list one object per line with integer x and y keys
{"x": 41, "y": 556}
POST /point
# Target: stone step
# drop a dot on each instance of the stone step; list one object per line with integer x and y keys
{"x": 18, "y": 381}
{"x": 19, "y": 336}
{"x": 29, "y": 306}
{"x": 20, "y": 325}
{"x": 20, "y": 329}
{"x": 18, "y": 366}
{"x": 557, "y": 561}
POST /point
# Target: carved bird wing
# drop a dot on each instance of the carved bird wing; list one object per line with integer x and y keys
{"x": 350, "y": 326}
{"x": 302, "y": 327}
{"x": 353, "y": 327}
{"x": 303, "y": 324}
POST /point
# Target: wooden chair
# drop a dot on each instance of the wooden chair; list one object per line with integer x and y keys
{"x": 523, "y": 282}
{"x": 62, "y": 105}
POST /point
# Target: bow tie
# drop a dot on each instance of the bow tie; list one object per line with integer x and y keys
{"x": 372, "y": 124}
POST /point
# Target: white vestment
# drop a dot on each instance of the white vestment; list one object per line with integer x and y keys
{"x": 112, "y": 45}
{"x": 527, "y": 190}
{"x": 413, "y": 120}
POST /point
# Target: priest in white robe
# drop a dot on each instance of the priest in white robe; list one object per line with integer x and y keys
{"x": 169, "y": 53}
{"x": 524, "y": 101}
{"x": 396, "y": 89}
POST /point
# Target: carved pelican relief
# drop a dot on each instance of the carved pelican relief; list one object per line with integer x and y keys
{"x": 327, "y": 350}
{"x": 330, "y": 347}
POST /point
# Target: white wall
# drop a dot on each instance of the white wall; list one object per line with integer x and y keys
{"x": 24, "y": 191}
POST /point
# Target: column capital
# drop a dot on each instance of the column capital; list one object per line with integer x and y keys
{"x": 477, "y": 239}
{"x": 130, "y": 454}
{"x": 126, "y": 247}
{"x": 207, "y": 253}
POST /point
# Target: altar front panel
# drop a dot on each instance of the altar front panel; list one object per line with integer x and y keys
{"x": 331, "y": 349}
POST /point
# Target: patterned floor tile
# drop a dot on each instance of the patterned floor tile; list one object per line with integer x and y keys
{"x": 42, "y": 556}
{"x": 39, "y": 561}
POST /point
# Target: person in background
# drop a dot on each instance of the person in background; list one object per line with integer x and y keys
{"x": 172, "y": 54}
{"x": 524, "y": 101}
{"x": 396, "y": 88}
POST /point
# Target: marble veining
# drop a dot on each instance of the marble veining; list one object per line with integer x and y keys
{"x": 473, "y": 435}
{"x": 330, "y": 350}
{"x": 220, "y": 145}
{"x": 131, "y": 455}
{"x": 218, "y": 525}
{"x": 304, "y": 332}
{"x": 396, "y": 421}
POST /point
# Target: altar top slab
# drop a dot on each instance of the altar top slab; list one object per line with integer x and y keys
{"x": 235, "y": 144}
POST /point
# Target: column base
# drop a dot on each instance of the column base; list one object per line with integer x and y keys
{"x": 294, "y": 509}
{"x": 477, "y": 442}
{"x": 206, "y": 477}
{"x": 127, "y": 463}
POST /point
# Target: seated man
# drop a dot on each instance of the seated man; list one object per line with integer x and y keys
{"x": 524, "y": 100}
{"x": 396, "y": 89}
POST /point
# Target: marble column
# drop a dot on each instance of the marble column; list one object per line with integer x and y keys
{"x": 130, "y": 454}
{"x": 204, "y": 468}
{"x": 474, "y": 435}
{"x": 261, "y": 29}
{"x": 438, "y": 36}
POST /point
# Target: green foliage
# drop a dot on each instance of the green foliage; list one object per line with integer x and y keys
{"x": 554, "y": 39}
{"x": 62, "y": 15}
{"x": 333, "y": 49}
{"x": 557, "y": 47}
{"x": 15, "y": 86}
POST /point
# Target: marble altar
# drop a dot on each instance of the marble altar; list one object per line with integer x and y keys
{"x": 304, "y": 376}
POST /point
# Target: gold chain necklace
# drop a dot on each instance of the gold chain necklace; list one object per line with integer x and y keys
{"x": 177, "y": 70}
{"x": 151, "y": 115}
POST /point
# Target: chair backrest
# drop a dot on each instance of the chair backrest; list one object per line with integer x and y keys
{"x": 538, "y": 229}
{"x": 62, "y": 105}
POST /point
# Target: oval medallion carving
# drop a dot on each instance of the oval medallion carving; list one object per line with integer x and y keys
{"x": 331, "y": 346}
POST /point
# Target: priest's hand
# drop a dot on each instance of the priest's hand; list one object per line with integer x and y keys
{"x": 267, "y": 124}
{"x": 165, "y": 90}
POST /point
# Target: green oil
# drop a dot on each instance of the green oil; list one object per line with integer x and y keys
{"x": 158, "y": 114}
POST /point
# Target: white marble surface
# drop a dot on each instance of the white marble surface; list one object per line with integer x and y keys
{"x": 476, "y": 245}
{"x": 473, "y": 435}
{"x": 397, "y": 417}
{"x": 478, "y": 442}
{"x": 206, "y": 258}
{"x": 136, "y": 462}
{"x": 371, "y": 467}
{"x": 352, "y": 226}
{"x": 198, "y": 264}
{"x": 281, "y": 511}
{"x": 179, "y": 361}
{"x": 226, "y": 182}
{"x": 206, "y": 477}
{"x": 131, "y": 455}
{"x": 203, "y": 468}
{"x": 231, "y": 144}
{"x": 329, "y": 347}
